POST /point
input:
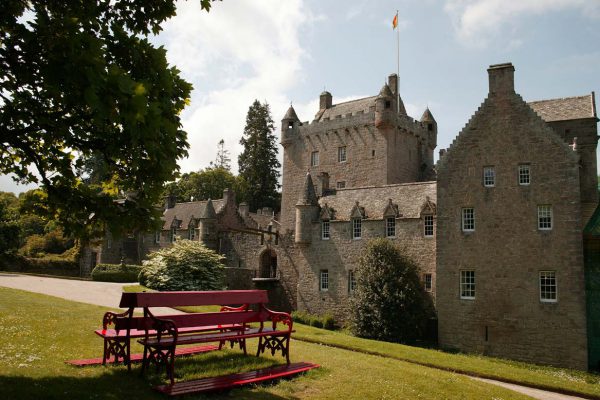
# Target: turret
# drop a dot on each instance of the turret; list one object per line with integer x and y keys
{"x": 385, "y": 108}
{"x": 289, "y": 125}
{"x": 325, "y": 101}
{"x": 394, "y": 87}
{"x": 430, "y": 124}
{"x": 307, "y": 209}
{"x": 207, "y": 225}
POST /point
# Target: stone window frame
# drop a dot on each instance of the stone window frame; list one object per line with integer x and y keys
{"x": 342, "y": 154}
{"x": 323, "y": 280}
{"x": 351, "y": 282}
{"x": 325, "y": 230}
{"x": 157, "y": 237}
{"x": 428, "y": 226}
{"x": 191, "y": 232}
{"x": 314, "y": 158}
{"x": 489, "y": 176}
{"x": 467, "y": 284}
{"x": 468, "y": 219}
{"x": 428, "y": 282}
{"x": 390, "y": 226}
{"x": 356, "y": 228}
{"x": 548, "y": 286}
{"x": 340, "y": 185}
{"x": 173, "y": 234}
{"x": 545, "y": 217}
{"x": 524, "y": 174}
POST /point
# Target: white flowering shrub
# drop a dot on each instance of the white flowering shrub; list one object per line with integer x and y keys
{"x": 187, "y": 265}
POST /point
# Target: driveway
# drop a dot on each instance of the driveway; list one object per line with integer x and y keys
{"x": 106, "y": 294}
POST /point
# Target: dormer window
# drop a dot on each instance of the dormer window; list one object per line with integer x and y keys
{"x": 325, "y": 233}
{"x": 191, "y": 232}
{"x": 356, "y": 228}
{"x": 390, "y": 227}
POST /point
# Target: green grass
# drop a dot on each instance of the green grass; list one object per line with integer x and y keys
{"x": 507, "y": 370}
{"x": 40, "y": 332}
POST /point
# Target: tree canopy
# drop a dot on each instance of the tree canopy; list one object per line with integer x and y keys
{"x": 79, "y": 80}
{"x": 205, "y": 184}
{"x": 258, "y": 163}
{"x": 389, "y": 302}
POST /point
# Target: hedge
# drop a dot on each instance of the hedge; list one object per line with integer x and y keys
{"x": 116, "y": 273}
{"x": 49, "y": 265}
{"x": 325, "y": 321}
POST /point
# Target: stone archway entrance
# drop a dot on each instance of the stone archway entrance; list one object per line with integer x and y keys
{"x": 268, "y": 264}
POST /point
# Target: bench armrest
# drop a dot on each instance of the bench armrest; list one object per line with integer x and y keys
{"x": 110, "y": 318}
{"x": 240, "y": 308}
{"x": 162, "y": 327}
{"x": 280, "y": 317}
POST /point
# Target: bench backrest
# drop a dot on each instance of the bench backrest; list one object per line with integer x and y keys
{"x": 179, "y": 299}
{"x": 195, "y": 319}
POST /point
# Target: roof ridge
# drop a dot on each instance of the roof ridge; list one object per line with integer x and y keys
{"x": 561, "y": 98}
{"x": 351, "y": 101}
{"x": 386, "y": 186}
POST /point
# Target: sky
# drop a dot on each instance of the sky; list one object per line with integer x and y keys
{"x": 287, "y": 52}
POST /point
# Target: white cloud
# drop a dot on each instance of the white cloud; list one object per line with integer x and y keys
{"x": 240, "y": 51}
{"x": 477, "y": 21}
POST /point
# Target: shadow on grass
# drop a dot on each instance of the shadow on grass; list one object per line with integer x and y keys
{"x": 120, "y": 384}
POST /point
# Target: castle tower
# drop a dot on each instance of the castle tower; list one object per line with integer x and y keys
{"x": 207, "y": 225}
{"x": 307, "y": 209}
{"x": 431, "y": 126}
{"x": 289, "y": 125}
{"x": 385, "y": 108}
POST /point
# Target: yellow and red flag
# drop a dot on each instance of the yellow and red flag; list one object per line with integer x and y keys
{"x": 395, "y": 21}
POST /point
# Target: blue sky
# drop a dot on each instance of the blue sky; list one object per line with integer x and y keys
{"x": 288, "y": 51}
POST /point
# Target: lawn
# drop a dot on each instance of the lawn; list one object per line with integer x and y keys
{"x": 40, "y": 332}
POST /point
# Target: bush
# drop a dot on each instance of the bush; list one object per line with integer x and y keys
{"x": 52, "y": 242}
{"x": 389, "y": 302}
{"x": 116, "y": 273}
{"x": 51, "y": 265}
{"x": 187, "y": 265}
{"x": 326, "y": 321}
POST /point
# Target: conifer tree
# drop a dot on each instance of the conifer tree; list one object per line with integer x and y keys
{"x": 258, "y": 164}
{"x": 223, "y": 160}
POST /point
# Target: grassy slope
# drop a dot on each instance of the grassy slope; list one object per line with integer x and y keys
{"x": 40, "y": 332}
{"x": 535, "y": 375}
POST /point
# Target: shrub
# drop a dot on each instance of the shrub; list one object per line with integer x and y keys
{"x": 389, "y": 302}
{"x": 187, "y": 265}
{"x": 116, "y": 273}
{"x": 52, "y": 242}
{"x": 326, "y": 321}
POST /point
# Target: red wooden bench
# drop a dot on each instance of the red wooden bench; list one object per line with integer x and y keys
{"x": 250, "y": 320}
{"x": 126, "y": 326}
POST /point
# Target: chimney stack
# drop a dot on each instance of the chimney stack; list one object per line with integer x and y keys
{"x": 325, "y": 101}
{"x": 502, "y": 78}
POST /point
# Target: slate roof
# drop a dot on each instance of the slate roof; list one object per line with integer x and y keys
{"x": 348, "y": 107}
{"x": 564, "y": 109}
{"x": 409, "y": 197}
{"x": 185, "y": 211}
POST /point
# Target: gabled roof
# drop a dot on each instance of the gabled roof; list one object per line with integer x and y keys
{"x": 564, "y": 109}
{"x": 327, "y": 213}
{"x": 408, "y": 197}
{"x": 184, "y": 212}
{"x": 348, "y": 107}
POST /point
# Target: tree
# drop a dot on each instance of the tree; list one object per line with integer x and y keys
{"x": 187, "y": 265}
{"x": 389, "y": 302}
{"x": 80, "y": 79}
{"x": 223, "y": 160}
{"x": 203, "y": 185}
{"x": 258, "y": 164}
{"x": 9, "y": 228}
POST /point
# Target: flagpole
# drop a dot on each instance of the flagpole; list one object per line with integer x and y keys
{"x": 398, "y": 66}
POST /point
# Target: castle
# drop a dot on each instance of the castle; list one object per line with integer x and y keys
{"x": 502, "y": 228}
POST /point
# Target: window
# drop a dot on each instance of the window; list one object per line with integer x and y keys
{"x": 489, "y": 177}
{"x": 428, "y": 225}
{"x": 290, "y": 125}
{"x": 341, "y": 185}
{"x": 548, "y": 286}
{"x": 467, "y": 285}
{"x": 468, "y": 219}
{"x": 524, "y": 174}
{"x": 108, "y": 241}
{"x": 388, "y": 104}
{"x": 191, "y": 232}
{"x": 324, "y": 280}
{"x": 314, "y": 158}
{"x": 172, "y": 235}
{"x": 390, "y": 227}
{"x": 428, "y": 282}
{"x": 342, "y": 154}
{"x": 545, "y": 217}
{"x": 356, "y": 228}
{"x": 157, "y": 237}
{"x": 351, "y": 282}
{"x": 325, "y": 230}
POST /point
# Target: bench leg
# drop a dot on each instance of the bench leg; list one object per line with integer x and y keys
{"x": 104, "y": 355}
{"x": 144, "y": 360}
{"x": 275, "y": 343}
